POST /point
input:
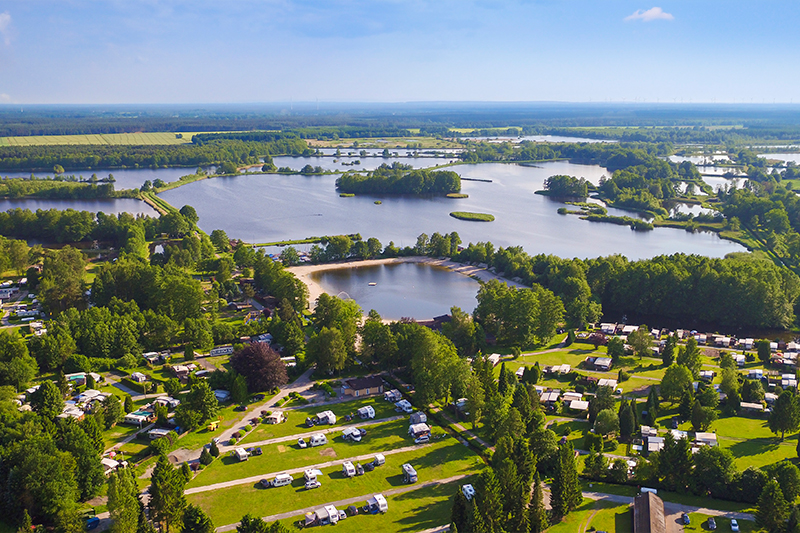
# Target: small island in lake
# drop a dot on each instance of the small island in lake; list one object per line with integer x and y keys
{"x": 478, "y": 217}
{"x": 400, "y": 179}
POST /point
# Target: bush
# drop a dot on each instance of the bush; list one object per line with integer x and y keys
{"x": 232, "y": 441}
{"x": 610, "y": 446}
{"x": 580, "y": 388}
{"x": 567, "y": 431}
{"x": 214, "y": 450}
{"x": 623, "y": 376}
{"x": 237, "y": 435}
{"x": 248, "y": 428}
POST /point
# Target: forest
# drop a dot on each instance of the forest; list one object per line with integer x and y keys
{"x": 103, "y": 156}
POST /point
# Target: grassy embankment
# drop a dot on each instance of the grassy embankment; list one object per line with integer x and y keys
{"x": 477, "y": 217}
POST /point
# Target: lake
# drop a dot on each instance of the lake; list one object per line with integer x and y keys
{"x": 111, "y": 206}
{"x": 414, "y": 290}
{"x": 786, "y": 158}
{"x": 268, "y": 208}
{"x": 343, "y": 164}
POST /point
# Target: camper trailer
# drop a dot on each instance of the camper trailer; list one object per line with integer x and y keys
{"x": 366, "y": 412}
{"x": 318, "y": 440}
{"x": 377, "y": 504}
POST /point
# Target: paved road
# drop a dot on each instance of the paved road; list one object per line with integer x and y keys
{"x": 320, "y": 466}
{"x": 295, "y": 436}
{"x": 351, "y": 501}
{"x": 673, "y": 507}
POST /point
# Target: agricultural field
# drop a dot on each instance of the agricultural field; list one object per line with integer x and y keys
{"x": 118, "y": 139}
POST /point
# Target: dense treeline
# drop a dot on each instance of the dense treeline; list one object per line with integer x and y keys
{"x": 739, "y": 291}
{"x": 69, "y": 225}
{"x": 189, "y": 155}
{"x": 48, "y": 188}
{"x": 400, "y": 179}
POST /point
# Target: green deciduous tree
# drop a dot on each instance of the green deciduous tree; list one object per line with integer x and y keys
{"x": 676, "y": 379}
{"x": 785, "y": 415}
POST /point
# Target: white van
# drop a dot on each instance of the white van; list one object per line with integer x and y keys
{"x": 282, "y": 480}
{"x": 379, "y": 460}
{"x": 348, "y": 469}
{"x": 318, "y": 440}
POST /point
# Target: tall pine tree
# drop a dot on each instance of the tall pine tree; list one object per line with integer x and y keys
{"x": 537, "y": 514}
{"x": 565, "y": 491}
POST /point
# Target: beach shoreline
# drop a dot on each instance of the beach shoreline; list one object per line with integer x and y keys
{"x": 304, "y": 272}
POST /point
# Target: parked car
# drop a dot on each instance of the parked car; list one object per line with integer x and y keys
{"x": 369, "y": 467}
{"x": 359, "y": 470}
{"x": 265, "y": 484}
{"x": 342, "y": 514}
{"x": 257, "y": 451}
{"x": 240, "y": 408}
{"x": 423, "y": 439}
{"x": 92, "y": 522}
{"x": 712, "y": 524}
{"x": 685, "y": 519}
{"x": 734, "y": 525}
{"x": 309, "y": 422}
{"x": 313, "y": 485}
{"x": 352, "y": 510}
{"x": 302, "y": 443}
{"x": 363, "y": 432}
{"x": 258, "y": 397}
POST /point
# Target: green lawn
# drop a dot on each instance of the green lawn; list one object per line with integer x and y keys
{"x": 759, "y": 452}
{"x": 201, "y": 436}
{"x": 416, "y": 510}
{"x": 594, "y": 514}
{"x": 139, "y": 138}
{"x": 276, "y": 457}
{"x": 442, "y": 460}
{"x": 296, "y": 418}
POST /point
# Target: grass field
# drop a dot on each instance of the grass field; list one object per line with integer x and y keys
{"x": 439, "y": 461}
{"x": 296, "y": 418}
{"x": 412, "y": 511}
{"x": 119, "y": 139}
{"x": 596, "y": 515}
{"x": 286, "y": 455}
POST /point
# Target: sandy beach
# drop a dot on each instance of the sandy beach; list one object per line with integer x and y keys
{"x": 304, "y": 272}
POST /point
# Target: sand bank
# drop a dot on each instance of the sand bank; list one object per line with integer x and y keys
{"x": 304, "y": 272}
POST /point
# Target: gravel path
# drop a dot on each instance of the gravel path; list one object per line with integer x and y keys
{"x": 320, "y": 466}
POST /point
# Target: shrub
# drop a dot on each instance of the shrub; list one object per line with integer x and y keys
{"x": 580, "y": 388}
{"x": 248, "y": 428}
{"x": 623, "y": 376}
{"x": 237, "y": 435}
{"x": 610, "y": 446}
{"x": 214, "y": 450}
{"x": 232, "y": 441}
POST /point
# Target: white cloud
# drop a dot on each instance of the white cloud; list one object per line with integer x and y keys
{"x": 654, "y": 13}
{"x": 5, "y": 24}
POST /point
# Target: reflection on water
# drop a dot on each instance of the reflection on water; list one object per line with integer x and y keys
{"x": 414, "y": 290}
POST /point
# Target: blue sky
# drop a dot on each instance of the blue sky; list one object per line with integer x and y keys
{"x": 208, "y": 51}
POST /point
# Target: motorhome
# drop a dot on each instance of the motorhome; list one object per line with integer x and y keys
{"x": 409, "y": 474}
{"x": 348, "y": 469}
